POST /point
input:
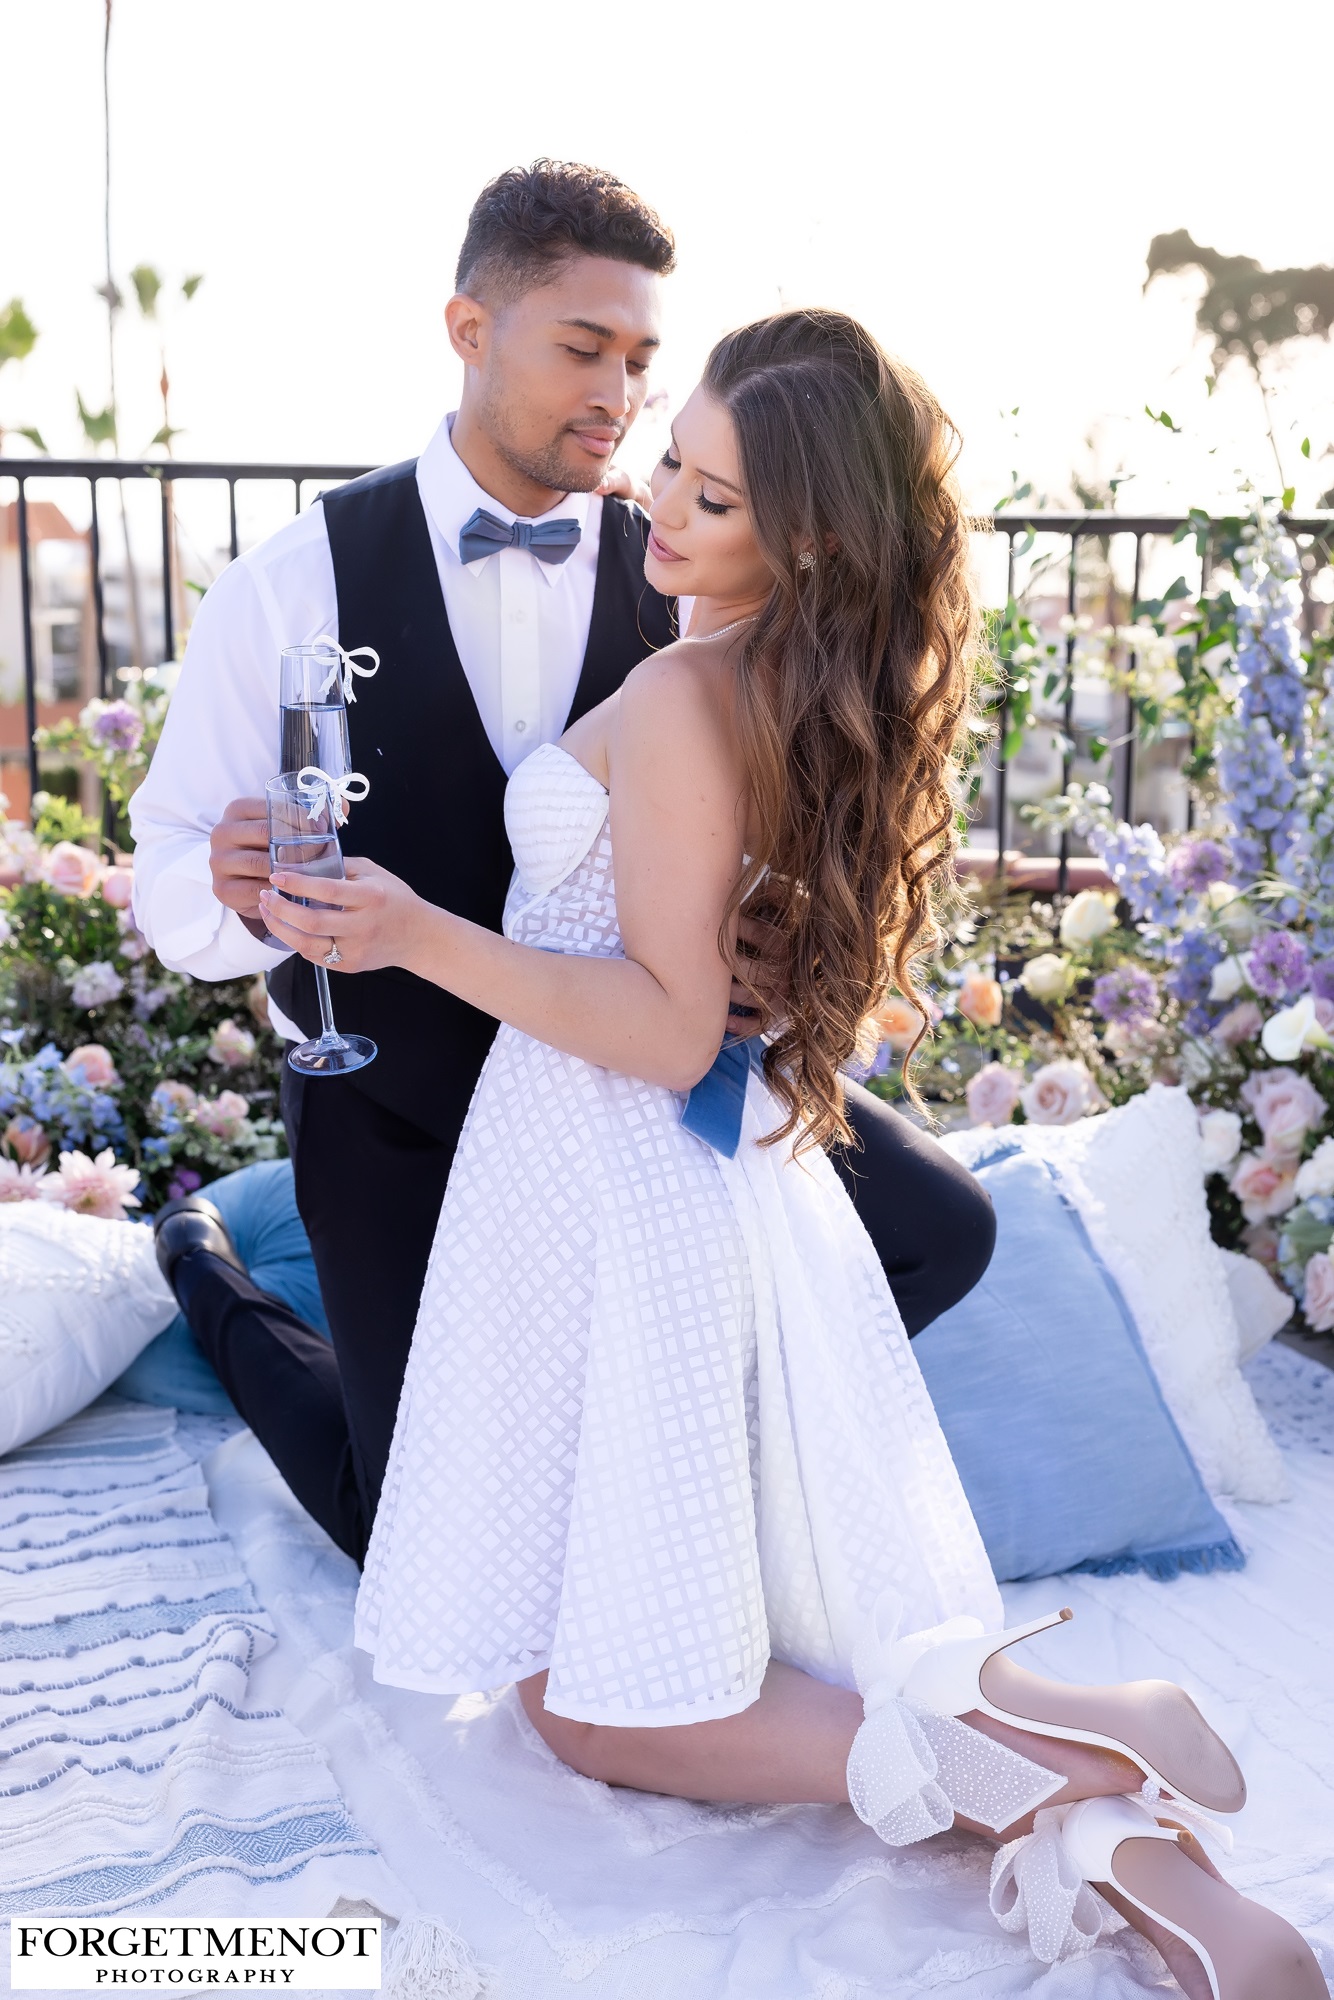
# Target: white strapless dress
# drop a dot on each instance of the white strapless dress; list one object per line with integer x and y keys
{"x": 661, "y": 1420}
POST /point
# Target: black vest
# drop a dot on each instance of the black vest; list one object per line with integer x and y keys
{"x": 435, "y": 814}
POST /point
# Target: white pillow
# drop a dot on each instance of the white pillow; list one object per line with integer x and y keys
{"x": 1136, "y": 1175}
{"x": 79, "y": 1299}
{"x": 1261, "y": 1307}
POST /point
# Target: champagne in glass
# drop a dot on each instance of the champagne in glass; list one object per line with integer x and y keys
{"x": 303, "y": 840}
{"x": 313, "y": 709}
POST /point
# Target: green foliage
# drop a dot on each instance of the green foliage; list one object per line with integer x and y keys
{"x": 147, "y": 284}
{"x": 18, "y": 335}
{"x": 58, "y": 818}
{"x": 1245, "y": 310}
{"x": 99, "y": 426}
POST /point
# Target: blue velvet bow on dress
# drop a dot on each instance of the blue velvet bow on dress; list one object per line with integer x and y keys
{"x": 714, "y": 1107}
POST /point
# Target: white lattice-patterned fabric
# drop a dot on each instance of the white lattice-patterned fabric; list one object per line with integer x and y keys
{"x": 661, "y": 1418}
{"x": 79, "y": 1299}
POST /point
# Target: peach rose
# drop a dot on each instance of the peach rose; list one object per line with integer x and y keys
{"x": 1318, "y": 1293}
{"x": 92, "y": 1066}
{"x": 899, "y": 1023}
{"x": 981, "y": 1001}
{"x": 1059, "y": 1093}
{"x": 223, "y": 1115}
{"x": 1264, "y": 1185}
{"x": 73, "y": 871}
{"x": 993, "y": 1094}
{"x": 118, "y": 887}
{"x": 26, "y": 1141}
{"x": 1241, "y": 1023}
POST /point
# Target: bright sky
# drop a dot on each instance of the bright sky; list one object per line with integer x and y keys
{"x": 978, "y": 182}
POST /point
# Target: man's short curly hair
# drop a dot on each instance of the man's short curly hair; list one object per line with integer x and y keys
{"x": 529, "y": 220}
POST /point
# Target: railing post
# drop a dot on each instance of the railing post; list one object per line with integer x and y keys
{"x": 1002, "y": 762}
{"x": 168, "y": 624}
{"x": 29, "y": 662}
{"x": 95, "y": 577}
{"x": 1132, "y": 729}
{"x": 233, "y": 540}
{"x": 1068, "y": 714}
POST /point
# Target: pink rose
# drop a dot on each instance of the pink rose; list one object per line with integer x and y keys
{"x": 73, "y": 871}
{"x": 1241, "y": 1023}
{"x": 1318, "y": 1293}
{"x": 223, "y": 1115}
{"x": 91, "y": 1065}
{"x": 981, "y": 1001}
{"x": 1264, "y": 1185}
{"x": 1059, "y": 1093}
{"x": 899, "y": 1023}
{"x": 993, "y": 1094}
{"x": 1285, "y": 1105}
{"x": 118, "y": 887}
{"x": 26, "y": 1141}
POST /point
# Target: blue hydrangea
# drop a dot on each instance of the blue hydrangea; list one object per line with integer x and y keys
{"x": 72, "y": 1113}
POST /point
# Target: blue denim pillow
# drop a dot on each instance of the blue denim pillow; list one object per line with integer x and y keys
{"x": 258, "y": 1204}
{"x": 1067, "y": 1451}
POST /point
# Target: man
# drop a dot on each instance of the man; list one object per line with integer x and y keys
{"x": 490, "y": 642}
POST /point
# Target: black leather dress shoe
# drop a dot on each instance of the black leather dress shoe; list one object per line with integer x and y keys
{"x": 191, "y": 1223}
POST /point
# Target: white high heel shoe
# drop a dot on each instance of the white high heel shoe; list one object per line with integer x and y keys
{"x": 1153, "y": 1723}
{"x": 1246, "y": 1951}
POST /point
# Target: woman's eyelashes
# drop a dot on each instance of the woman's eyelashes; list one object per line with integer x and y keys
{"x": 708, "y": 506}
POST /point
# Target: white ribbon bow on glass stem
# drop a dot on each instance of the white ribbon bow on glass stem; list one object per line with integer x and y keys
{"x": 318, "y": 790}
{"x": 349, "y": 663}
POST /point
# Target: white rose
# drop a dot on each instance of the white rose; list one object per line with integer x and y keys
{"x": 1089, "y": 915}
{"x": 1316, "y": 1175}
{"x": 1047, "y": 977}
{"x": 1234, "y": 913}
{"x": 1059, "y": 1093}
{"x": 1227, "y": 979}
{"x": 1220, "y": 1132}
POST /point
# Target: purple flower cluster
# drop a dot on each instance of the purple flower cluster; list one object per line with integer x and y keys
{"x": 118, "y": 727}
{"x": 1136, "y": 860}
{"x": 1322, "y": 979}
{"x": 1127, "y": 994}
{"x": 1196, "y": 863}
{"x": 1192, "y": 958}
{"x": 1278, "y": 966}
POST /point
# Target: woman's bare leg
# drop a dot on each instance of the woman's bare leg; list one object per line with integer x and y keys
{"x": 791, "y": 1747}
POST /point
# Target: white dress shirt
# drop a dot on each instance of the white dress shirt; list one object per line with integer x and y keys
{"x": 521, "y": 628}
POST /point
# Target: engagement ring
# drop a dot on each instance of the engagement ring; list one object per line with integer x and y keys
{"x": 333, "y": 956}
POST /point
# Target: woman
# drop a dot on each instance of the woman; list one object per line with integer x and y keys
{"x": 663, "y": 1455}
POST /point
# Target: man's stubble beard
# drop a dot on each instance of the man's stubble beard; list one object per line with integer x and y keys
{"x": 546, "y": 465}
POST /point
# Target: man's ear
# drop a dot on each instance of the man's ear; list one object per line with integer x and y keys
{"x": 468, "y": 323}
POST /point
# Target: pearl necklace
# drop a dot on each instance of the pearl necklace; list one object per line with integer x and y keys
{"x": 735, "y": 626}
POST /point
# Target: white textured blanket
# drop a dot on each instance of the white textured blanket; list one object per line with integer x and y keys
{"x": 145, "y": 1765}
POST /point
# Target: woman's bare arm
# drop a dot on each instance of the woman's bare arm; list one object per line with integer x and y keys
{"x": 658, "y": 1013}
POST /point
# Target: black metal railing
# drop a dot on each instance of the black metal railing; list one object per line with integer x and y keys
{"x": 1013, "y": 525}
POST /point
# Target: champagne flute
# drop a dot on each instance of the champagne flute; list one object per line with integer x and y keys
{"x": 303, "y": 840}
{"x": 314, "y": 685}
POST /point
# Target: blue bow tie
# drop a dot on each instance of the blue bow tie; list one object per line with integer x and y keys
{"x": 550, "y": 541}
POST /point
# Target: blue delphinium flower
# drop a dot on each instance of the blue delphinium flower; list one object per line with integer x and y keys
{"x": 1191, "y": 959}
{"x": 1194, "y": 864}
{"x": 1269, "y": 648}
{"x": 1136, "y": 860}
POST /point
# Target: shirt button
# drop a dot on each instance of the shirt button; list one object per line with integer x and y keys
{"x": 520, "y": 727}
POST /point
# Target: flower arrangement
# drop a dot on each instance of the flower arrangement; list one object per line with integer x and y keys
{"x": 1210, "y": 961}
{"x": 121, "y": 1083}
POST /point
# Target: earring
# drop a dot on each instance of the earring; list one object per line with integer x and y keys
{"x": 806, "y": 560}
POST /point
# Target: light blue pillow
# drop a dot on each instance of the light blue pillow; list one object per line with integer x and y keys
{"x": 1067, "y": 1451}
{"x": 258, "y": 1204}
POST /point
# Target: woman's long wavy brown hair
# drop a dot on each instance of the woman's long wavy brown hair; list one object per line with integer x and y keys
{"x": 853, "y": 684}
